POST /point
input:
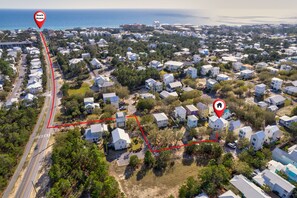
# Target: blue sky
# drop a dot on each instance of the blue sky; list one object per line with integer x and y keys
{"x": 210, "y": 5}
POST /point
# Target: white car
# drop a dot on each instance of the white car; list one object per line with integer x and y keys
{"x": 232, "y": 145}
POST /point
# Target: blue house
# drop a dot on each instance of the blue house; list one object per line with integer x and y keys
{"x": 283, "y": 157}
{"x": 111, "y": 98}
{"x": 234, "y": 124}
{"x": 192, "y": 121}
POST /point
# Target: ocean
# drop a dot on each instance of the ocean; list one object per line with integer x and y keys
{"x": 63, "y": 19}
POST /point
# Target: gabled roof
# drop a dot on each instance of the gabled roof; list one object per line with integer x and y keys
{"x": 247, "y": 188}
{"x": 120, "y": 134}
{"x": 160, "y": 116}
{"x": 267, "y": 177}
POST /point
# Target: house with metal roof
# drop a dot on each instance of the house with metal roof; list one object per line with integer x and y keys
{"x": 247, "y": 188}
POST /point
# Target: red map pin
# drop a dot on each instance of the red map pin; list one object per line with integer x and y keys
{"x": 39, "y": 18}
{"x": 219, "y": 107}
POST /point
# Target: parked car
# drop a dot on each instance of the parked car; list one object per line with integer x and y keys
{"x": 232, "y": 145}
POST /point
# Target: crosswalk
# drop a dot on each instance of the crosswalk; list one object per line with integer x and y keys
{"x": 44, "y": 136}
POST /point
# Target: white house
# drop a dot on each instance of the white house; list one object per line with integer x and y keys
{"x": 161, "y": 119}
{"x": 180, "y": 113}
{"x": 285, "y": 68}
{"x": 234, "y": 124}
{"x": 291, "y": 90}
{"x": 111, "y": 98}
{"x": 261, "y": 65}
{"x": 277, "y": 100}
{"x": 168, "y": 78}
{"x": 246, "y": 74}
{"x": 120, "y": 139}
{"x": 272, "y": 133}
{"x": 215, "y": 71}
{"x": 29, "y": 97}
{"x": 287, "y": 121}
{"x": 103, "y": 82}
{"x": 192, "y": 72}
{"x": 237, "y": 66}
{"x": 247, "y": 188}
{"x": 96, "y": 63}
{"x": 165, "y": 94}
{"x": 174, "y": 86}
{"x": 75, "y": 61}
{"x": 222, "y": 77}
{"x": 210, "y": 83}
{"x": 245, "y": 132}
{"x": 196, "y": 58}
{"x": 132, "y": 56}
{"x": 229, "y": 194}
{"x": 156, "y": 64}
{"x": 260, "y": 89}
{"x": 257, "y": 140}
{"x": 275, "y": 182}
{"x": 205, "y": 69}
{"x": 85, "y": 55}
{"x": 192, "y": 121}
{"x": 276, "y": 83}
{"x": 147, "y": 95}
{"x": 121, "y": 119}
{"x": 217, "y": 123}
{"x": 95, "y": 132}
{"x": 90, "y": 105}
{"x": 173, "y": 65}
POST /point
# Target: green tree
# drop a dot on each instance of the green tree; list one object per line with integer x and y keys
{"x": 213, "y": 178}
{"x": 190, "y": 188}
{"x": 149, "y": 159}
{"x": 134, "y": 161}
{"x": 144, "y": 104}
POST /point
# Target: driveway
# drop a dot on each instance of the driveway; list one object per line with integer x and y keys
{"x": 124, "y": 158}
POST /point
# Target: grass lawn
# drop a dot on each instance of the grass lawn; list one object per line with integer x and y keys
{"x": 152, "y": 185}
{"x": 82, "y": 90}
{"x": 136, "y": 144}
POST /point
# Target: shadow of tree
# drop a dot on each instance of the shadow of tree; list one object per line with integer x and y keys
{"x": 129, "y": 171}
{"x": 142, "y": 172}
{"x": 187, "y": 159}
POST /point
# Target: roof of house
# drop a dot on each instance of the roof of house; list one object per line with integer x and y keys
{"x": 246, "y": 129}
{"x": 120, "y": 114}
{"x": 229, "y": 194}
{"x": 261, "y": 85}
{"x": 120, "y": 134}
{"x": 192, "y": 118}
{"x": 95, "y": 128}
{"x": 89, "y": 100}
{"x": 276, "y": 79}
{"x": 191, "y": 107}
{"x": 160, "y": 116}
{"x": 267, "y": 176}
{"x": 180, "y": 108}
{"x": 174, "y": 63}
{"x": 276, "y": 99}
{"x": 259, "y": 134}
{"x": 292, "y": 89}
{"x": 206, "y": 67}
{"x": 248, "y": 188}
{"x": 175, "y": 84}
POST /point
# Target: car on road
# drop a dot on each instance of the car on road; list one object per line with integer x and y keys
{"x": 36, "y": 147}
{"x": 232, "y": 145}
{"x": 123, "y": 108}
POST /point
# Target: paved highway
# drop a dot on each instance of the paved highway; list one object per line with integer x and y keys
{"x": 26, "y": 187}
